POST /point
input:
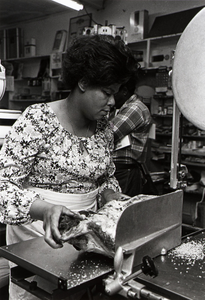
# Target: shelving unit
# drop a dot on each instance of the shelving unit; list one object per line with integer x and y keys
{"x": 32, "y": 82}
{"x": 163, "y": 45}
{"x": 192, "y": 153}
{"x": 19, "y": 98}
{"x": 158, "y": 52}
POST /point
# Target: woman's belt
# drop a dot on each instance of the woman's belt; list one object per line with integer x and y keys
{"x": 75, "y": 202}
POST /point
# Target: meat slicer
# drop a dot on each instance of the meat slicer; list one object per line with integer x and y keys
{"x": 146, "y": 230}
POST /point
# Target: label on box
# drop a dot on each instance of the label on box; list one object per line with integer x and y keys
{"x": 29, "y": 50}
{"x": 56, "y": 60}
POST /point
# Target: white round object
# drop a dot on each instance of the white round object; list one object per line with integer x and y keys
{"x": 188, "y": 76}
{"x": 2, "y": 80}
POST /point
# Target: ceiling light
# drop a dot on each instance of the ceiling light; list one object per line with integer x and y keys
{"x": 70, "y": 3}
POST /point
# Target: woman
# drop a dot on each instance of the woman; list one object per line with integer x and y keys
{"x": 57, "y": 158}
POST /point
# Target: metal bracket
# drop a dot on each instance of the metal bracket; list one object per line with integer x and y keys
{"x": 62, "y": 283}
{"x": 19, "y": 276}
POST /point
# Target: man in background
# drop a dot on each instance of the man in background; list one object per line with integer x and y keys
{"x": 131, "y": 123}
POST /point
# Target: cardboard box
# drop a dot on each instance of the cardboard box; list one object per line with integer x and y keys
{"x": 56, "y": 60}
{"x": 29, "y": 50}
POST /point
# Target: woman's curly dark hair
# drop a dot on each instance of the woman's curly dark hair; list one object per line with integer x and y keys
{"x": 100, "y": 60}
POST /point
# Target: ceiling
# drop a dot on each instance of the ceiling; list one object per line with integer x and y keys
{"x": 14, "y": 11}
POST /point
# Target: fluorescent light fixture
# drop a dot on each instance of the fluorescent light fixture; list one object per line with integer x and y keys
{"x": 70, "y": 3}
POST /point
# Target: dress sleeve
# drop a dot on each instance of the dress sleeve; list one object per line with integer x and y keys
{"x": 16, "y": 159}
{"x": 109, "y": 181}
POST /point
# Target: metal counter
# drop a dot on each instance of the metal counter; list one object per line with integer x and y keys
{"x": 66, "y": 268}
{"x": 179, "y": 278}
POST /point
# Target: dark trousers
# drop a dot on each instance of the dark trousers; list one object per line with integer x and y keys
{"x": 130, "y": 179}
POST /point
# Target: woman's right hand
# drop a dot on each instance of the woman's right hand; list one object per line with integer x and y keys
{"x": 50, "y": 215}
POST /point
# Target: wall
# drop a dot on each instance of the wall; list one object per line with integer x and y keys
{"x": 116, "y": 12}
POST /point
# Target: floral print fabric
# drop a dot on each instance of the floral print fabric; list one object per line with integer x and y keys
{"x": 39, "y": 152}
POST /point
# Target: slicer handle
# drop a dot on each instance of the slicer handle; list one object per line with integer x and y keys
{"x": 118, "y": 261}
{"x": 114, "y": 285}
{"x": 148, "y": 268}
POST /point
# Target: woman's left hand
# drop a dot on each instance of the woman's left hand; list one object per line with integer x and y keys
{"x": 51, "y": 223}
{"x": 50, "y": 215}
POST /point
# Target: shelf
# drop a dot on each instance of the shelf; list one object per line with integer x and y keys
{"x": 28, "y": 100}
{"x": 194, "y": 137}
{"x": 193, "y": 152}
{"x": 165, "y": 149}
{"x": 161, "y": 116}
{"x": 169, "y": 36}
{"x": 26, "y": 58}
{"x": 165, "y": 161}
{"x": 63, "y": 91}
{"x": 25, "y": 79}
{"x": 193, "y": 164}
{"x": 164, "y": 37}
{"x": 161, "y": 149}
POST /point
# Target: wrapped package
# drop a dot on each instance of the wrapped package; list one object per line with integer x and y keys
{"x": 96, "y": 232}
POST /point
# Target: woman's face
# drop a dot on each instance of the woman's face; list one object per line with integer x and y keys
{"x": 99, "y": 100}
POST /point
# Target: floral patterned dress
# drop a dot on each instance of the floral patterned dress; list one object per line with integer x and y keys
{"x": 39, "y": 152}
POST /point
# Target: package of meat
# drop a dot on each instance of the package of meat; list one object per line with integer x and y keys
{"x": 96, "y": 233}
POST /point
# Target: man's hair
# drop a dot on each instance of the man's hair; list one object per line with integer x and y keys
{"x": 100, "y": 60}
{"x": 131, "y": 84}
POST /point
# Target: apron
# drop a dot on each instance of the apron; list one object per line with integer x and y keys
{"x": 15, "y": 234}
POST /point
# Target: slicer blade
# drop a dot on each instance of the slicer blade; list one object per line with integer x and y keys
{"x": 150, "y": 225}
